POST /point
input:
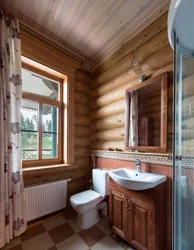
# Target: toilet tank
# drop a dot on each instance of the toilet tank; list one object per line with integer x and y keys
{"x": 100, "y": 178}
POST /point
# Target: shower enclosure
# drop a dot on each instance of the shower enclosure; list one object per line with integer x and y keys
{"x": 183, "y": 155}
{"x": 181, "y": 37}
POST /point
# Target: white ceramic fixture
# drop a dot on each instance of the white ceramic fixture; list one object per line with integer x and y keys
{"x": 87, "y": 203}
{"x": 133, "y": 180}
{"x": 181, "y": 20}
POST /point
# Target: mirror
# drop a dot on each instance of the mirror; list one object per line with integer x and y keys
{"x": 146, "y": 115}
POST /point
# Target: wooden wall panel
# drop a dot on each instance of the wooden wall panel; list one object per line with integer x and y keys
{"x": 82, "y": 124}
{"x": 111, "y": 78}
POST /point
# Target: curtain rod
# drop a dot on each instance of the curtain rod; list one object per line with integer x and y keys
{"x": 25, "y": 25}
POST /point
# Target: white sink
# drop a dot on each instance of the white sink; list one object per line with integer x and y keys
{"x": 133, "y": 180}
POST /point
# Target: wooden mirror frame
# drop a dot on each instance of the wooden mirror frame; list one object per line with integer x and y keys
{"x": 163, "y": 78}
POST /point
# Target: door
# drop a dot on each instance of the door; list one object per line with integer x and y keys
{"x": 118, "y": 212}
{"x": 141, "y": 224}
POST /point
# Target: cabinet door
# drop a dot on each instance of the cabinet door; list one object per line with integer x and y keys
{"x": 118, "y": 212}
{"x": 141, "y": 224}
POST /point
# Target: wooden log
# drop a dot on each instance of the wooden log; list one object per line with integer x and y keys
{"x": 82, "y": 87}
{"x": 118, "y": 80}
{"x": 82, "y": 131}
{"x": 81, "y": 98}
{"x": 81, "y": 162}
{"x": 109, "y": 110}
{"x": 82, "y": 76}
{"x": 125, "y": 79}
{"x": 81, "y": 109}
{"x": 112, "y": 96}
{"x": 110, "y": 122}
{"x": 116, "y": 134}
{"x": 82, "y": 120}
{"x": 107, "y": 145}
{"x": 76, "y": 186}
{"x": 52, "y": 174}
{"x": 144, "y": 36}
{"x": 144, "y": 52}
{"x": 81, "y": 152}
{"x": 82, "y": 142}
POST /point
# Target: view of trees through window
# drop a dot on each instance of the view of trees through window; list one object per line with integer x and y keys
{"x": 29, "y": 135}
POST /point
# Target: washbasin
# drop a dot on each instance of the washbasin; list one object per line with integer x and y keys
{"x": 131, "y": 179}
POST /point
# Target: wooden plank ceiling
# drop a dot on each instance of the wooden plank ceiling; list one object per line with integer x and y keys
{"x": 94, "y": 29}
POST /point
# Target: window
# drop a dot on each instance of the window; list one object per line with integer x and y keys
{"x": 41, "y": 118}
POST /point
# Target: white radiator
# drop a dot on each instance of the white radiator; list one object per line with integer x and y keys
{"x": 45, "y": 199}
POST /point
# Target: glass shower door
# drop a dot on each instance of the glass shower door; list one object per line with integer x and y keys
{"x": 183, "y": 155}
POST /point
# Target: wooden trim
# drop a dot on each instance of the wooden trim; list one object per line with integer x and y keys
{"x": 69, "y": 120}
{"x": 40, "y": 99}
{"x": 163, "y": 78}
{"x": 41, "y": 70}
{"x": 44, "y": 100}
{"x": 40, "y": 133}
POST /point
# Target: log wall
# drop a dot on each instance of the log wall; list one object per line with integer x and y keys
{"x": 82, "y": 124}
{"x": 112, "y": 77}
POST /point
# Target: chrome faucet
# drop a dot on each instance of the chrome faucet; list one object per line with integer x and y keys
{"x": 138, "y": 164}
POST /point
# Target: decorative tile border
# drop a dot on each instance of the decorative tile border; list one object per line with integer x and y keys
{"x": 125, "y": 156}
{"x": 166, "y": 160}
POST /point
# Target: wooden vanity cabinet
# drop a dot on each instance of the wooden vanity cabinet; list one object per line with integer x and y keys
{"x": 138, "y": 216}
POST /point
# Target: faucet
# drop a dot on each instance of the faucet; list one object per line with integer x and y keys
{"x": 138, "y": 164}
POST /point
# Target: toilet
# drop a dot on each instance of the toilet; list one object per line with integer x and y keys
{"x": 87, "y": 203}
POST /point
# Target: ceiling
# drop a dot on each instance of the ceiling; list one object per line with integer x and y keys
{"x": 91, "y": 29}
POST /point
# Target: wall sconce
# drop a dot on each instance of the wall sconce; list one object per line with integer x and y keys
{"x": 139, "y": 69}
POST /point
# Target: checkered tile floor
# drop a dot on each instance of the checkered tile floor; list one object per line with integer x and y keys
{"x": 61, "y": 232}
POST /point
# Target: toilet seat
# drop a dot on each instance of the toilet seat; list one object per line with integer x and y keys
{"x": 85, "y": 198}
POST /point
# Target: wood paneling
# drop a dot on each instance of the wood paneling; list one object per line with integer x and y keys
{"x": 114, "y": 76}
{"x": 92, "y": 29}
{"x": 82, "y": 122}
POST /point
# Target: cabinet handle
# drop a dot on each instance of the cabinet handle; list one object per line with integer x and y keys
{"x": 126, "y": 203}
{"x": 129, "y": 204}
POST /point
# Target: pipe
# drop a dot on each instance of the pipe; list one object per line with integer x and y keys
{"x": 103, "y": 206}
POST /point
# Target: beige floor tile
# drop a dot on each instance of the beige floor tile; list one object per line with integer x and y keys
{"x": 54, "y": 222}
{"x": 72, "y": 243}
{"x": 61, "y": 233}
{"x": 103, "y": 224}
{"x": 73, "y": 224}
{"x": 42, "y": 241}
{"x": 14, "y": 242}
{"x": 106, "y": 244}
{"x": 92, "y": 235}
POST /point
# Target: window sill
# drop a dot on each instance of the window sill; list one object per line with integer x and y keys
{"x": 72, "y": 166}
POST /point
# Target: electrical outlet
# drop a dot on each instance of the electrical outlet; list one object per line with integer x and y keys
{"x": 184, "y": 183}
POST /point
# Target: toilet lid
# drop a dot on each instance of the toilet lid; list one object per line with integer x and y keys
{"x": 86, "y": 197}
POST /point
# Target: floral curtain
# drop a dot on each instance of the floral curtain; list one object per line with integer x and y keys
{"x": 133, "y": 129}
{"x": 12, "y": 205}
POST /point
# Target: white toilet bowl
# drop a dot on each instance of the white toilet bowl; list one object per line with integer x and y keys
{"x": 86, "y": 205}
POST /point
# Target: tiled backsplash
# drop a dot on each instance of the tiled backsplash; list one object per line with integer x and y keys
{"x": 161, "y": 159}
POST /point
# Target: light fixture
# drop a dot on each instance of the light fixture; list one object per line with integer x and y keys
{"x": 139, "y": 69}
